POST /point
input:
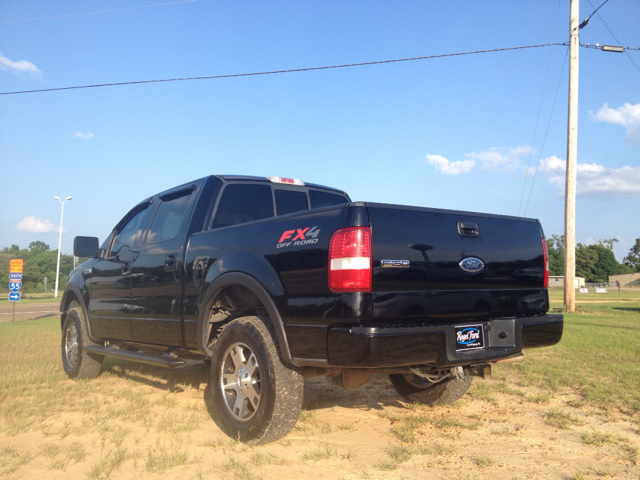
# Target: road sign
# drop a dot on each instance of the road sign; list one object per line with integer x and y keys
{"x": 15, "y": 286}
{"x": 15, "y": 276}
{"x": 15, "y": 265}
{"x": 14, "y": 297}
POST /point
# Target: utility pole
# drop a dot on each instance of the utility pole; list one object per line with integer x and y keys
{"x": 572, "y": 154}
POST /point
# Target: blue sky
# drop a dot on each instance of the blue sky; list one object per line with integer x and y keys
{"x": 454, "y": 132}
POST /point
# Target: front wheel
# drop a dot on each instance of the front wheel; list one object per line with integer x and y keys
{"x": 418, "y": 389}
{"x": 258, "y": 398}
{"x": 76, "y": 361}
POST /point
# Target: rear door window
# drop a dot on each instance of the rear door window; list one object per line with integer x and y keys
{"x": 288, "y": 201}
{"x": 321, "y": 199}
{"x": 242, "y": 203}
{"x": 168, "y": 217}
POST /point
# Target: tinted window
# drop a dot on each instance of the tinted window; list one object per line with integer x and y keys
{"x": 241, "y": 203}
{"x": 290, "y": 202}
{"x": 168, "y": 218}
{"x": 127, "y": 235}
{"x": 325, "y": 199}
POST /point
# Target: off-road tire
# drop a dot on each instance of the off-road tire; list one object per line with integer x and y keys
{"x": 417, "y": 389}
{"x": 76, "y": 361}
{"x": 277, "y": 387}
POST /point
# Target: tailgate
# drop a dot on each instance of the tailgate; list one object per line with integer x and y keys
{"x": 430, "y": 263}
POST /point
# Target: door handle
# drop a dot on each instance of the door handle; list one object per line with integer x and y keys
{"x": 125, "y": 268}
{"x": 171, "y": 263}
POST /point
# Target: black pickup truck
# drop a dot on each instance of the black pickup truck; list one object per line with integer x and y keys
{"x": 272, "y": 280}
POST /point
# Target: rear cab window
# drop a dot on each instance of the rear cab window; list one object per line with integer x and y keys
{"x": 241, "y": 203}
{"x": 288, "y": 201}
{"x": 320, "y": 198}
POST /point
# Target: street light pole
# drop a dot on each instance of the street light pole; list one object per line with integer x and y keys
{"x": 60, "y": 241}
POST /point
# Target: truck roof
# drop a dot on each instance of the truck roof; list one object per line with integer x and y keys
{"x": 234, "y": 178}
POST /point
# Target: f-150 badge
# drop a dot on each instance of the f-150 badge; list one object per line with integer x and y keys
{"x": 395, "y": 263}
{"x": 471, "y": 265}
{"x": 299, "y": 236}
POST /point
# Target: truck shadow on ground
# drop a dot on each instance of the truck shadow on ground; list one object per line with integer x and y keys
{"x": 195, "y": 374}
{"x": 319, "y": 392}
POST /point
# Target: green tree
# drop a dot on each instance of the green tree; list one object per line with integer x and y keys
{"x": 13, "y": 249}
{"x": 606, "y": 265}
{"x": 607, "y": 243}
{"x": 586, "y": 260}
{"x": 39, "y": 262}
{"x": 632, "y": 260}
{"x": 555, "y": 247}
{"x": 39, "y": 246}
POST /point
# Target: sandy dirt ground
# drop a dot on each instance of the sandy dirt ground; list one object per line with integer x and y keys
{"x": 370, "y": 433}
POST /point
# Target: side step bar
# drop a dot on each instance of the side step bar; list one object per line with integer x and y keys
{"x": 157, "y": 360}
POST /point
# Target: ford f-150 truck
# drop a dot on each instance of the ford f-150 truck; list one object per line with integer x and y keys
{"x": 271, "y": 280}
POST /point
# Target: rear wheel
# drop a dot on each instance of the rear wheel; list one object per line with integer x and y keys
{"x": 258, "y": 398}
{"x": 76, "y": 361}
{"x": 419, "y": 389}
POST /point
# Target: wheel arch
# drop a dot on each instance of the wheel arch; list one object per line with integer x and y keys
{"x": 253, "y": 285}
{"x": 72, "y": 292}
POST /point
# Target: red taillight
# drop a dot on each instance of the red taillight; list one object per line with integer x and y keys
{"x": 350, "y": 260}
{"x": 545, "y": 253}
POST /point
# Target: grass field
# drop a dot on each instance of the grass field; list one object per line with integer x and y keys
{"x": 599, "y": 354}
{"x": 138, "y": 421}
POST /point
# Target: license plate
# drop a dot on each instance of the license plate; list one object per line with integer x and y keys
{"x": 469, "y": 337}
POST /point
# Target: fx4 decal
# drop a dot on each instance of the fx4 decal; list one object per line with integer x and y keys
{"x": 299, "y": 236}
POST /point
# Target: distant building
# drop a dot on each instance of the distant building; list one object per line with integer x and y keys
{"x": 629, "y": 280}
{"x": 558, "y": 281}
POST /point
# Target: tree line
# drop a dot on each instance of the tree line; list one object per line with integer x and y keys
{"x": 594, "y": 263}
{"x": 39, "y": 262}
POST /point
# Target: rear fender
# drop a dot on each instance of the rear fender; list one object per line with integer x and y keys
{"x": 259, "y": 290}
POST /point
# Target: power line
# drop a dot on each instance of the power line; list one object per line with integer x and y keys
{"x": 535, "y": 128}
{"x": 273, "y": 72}
{"x": 603, "y": 22}
{"x": 91, "y": 13}
{"x": 586, "y": 20}
{"x": 544, "y": 140}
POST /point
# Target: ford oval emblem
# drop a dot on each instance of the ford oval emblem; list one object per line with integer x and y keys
{"x": 471, "y": 265}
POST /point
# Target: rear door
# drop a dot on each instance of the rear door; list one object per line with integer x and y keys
{"x": 156, "y": 276}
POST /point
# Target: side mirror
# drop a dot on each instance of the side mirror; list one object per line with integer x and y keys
{"x": 85, "y": 247}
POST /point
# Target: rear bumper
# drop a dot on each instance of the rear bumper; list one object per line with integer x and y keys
{"x": 373, "y": 347}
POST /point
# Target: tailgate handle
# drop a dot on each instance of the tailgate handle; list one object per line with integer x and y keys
{"x": 468, "y": 229}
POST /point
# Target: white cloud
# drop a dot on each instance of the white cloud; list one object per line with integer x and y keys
{"x": 86, "y": 136}
{"x": 37, "y": 225}
{"x": 594, "y": 180}
{"x": 450, "y": 168}
{"x": 19, "y": 66}
{"x": 627, "y": 115}
{"x": 505, "y": 160}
